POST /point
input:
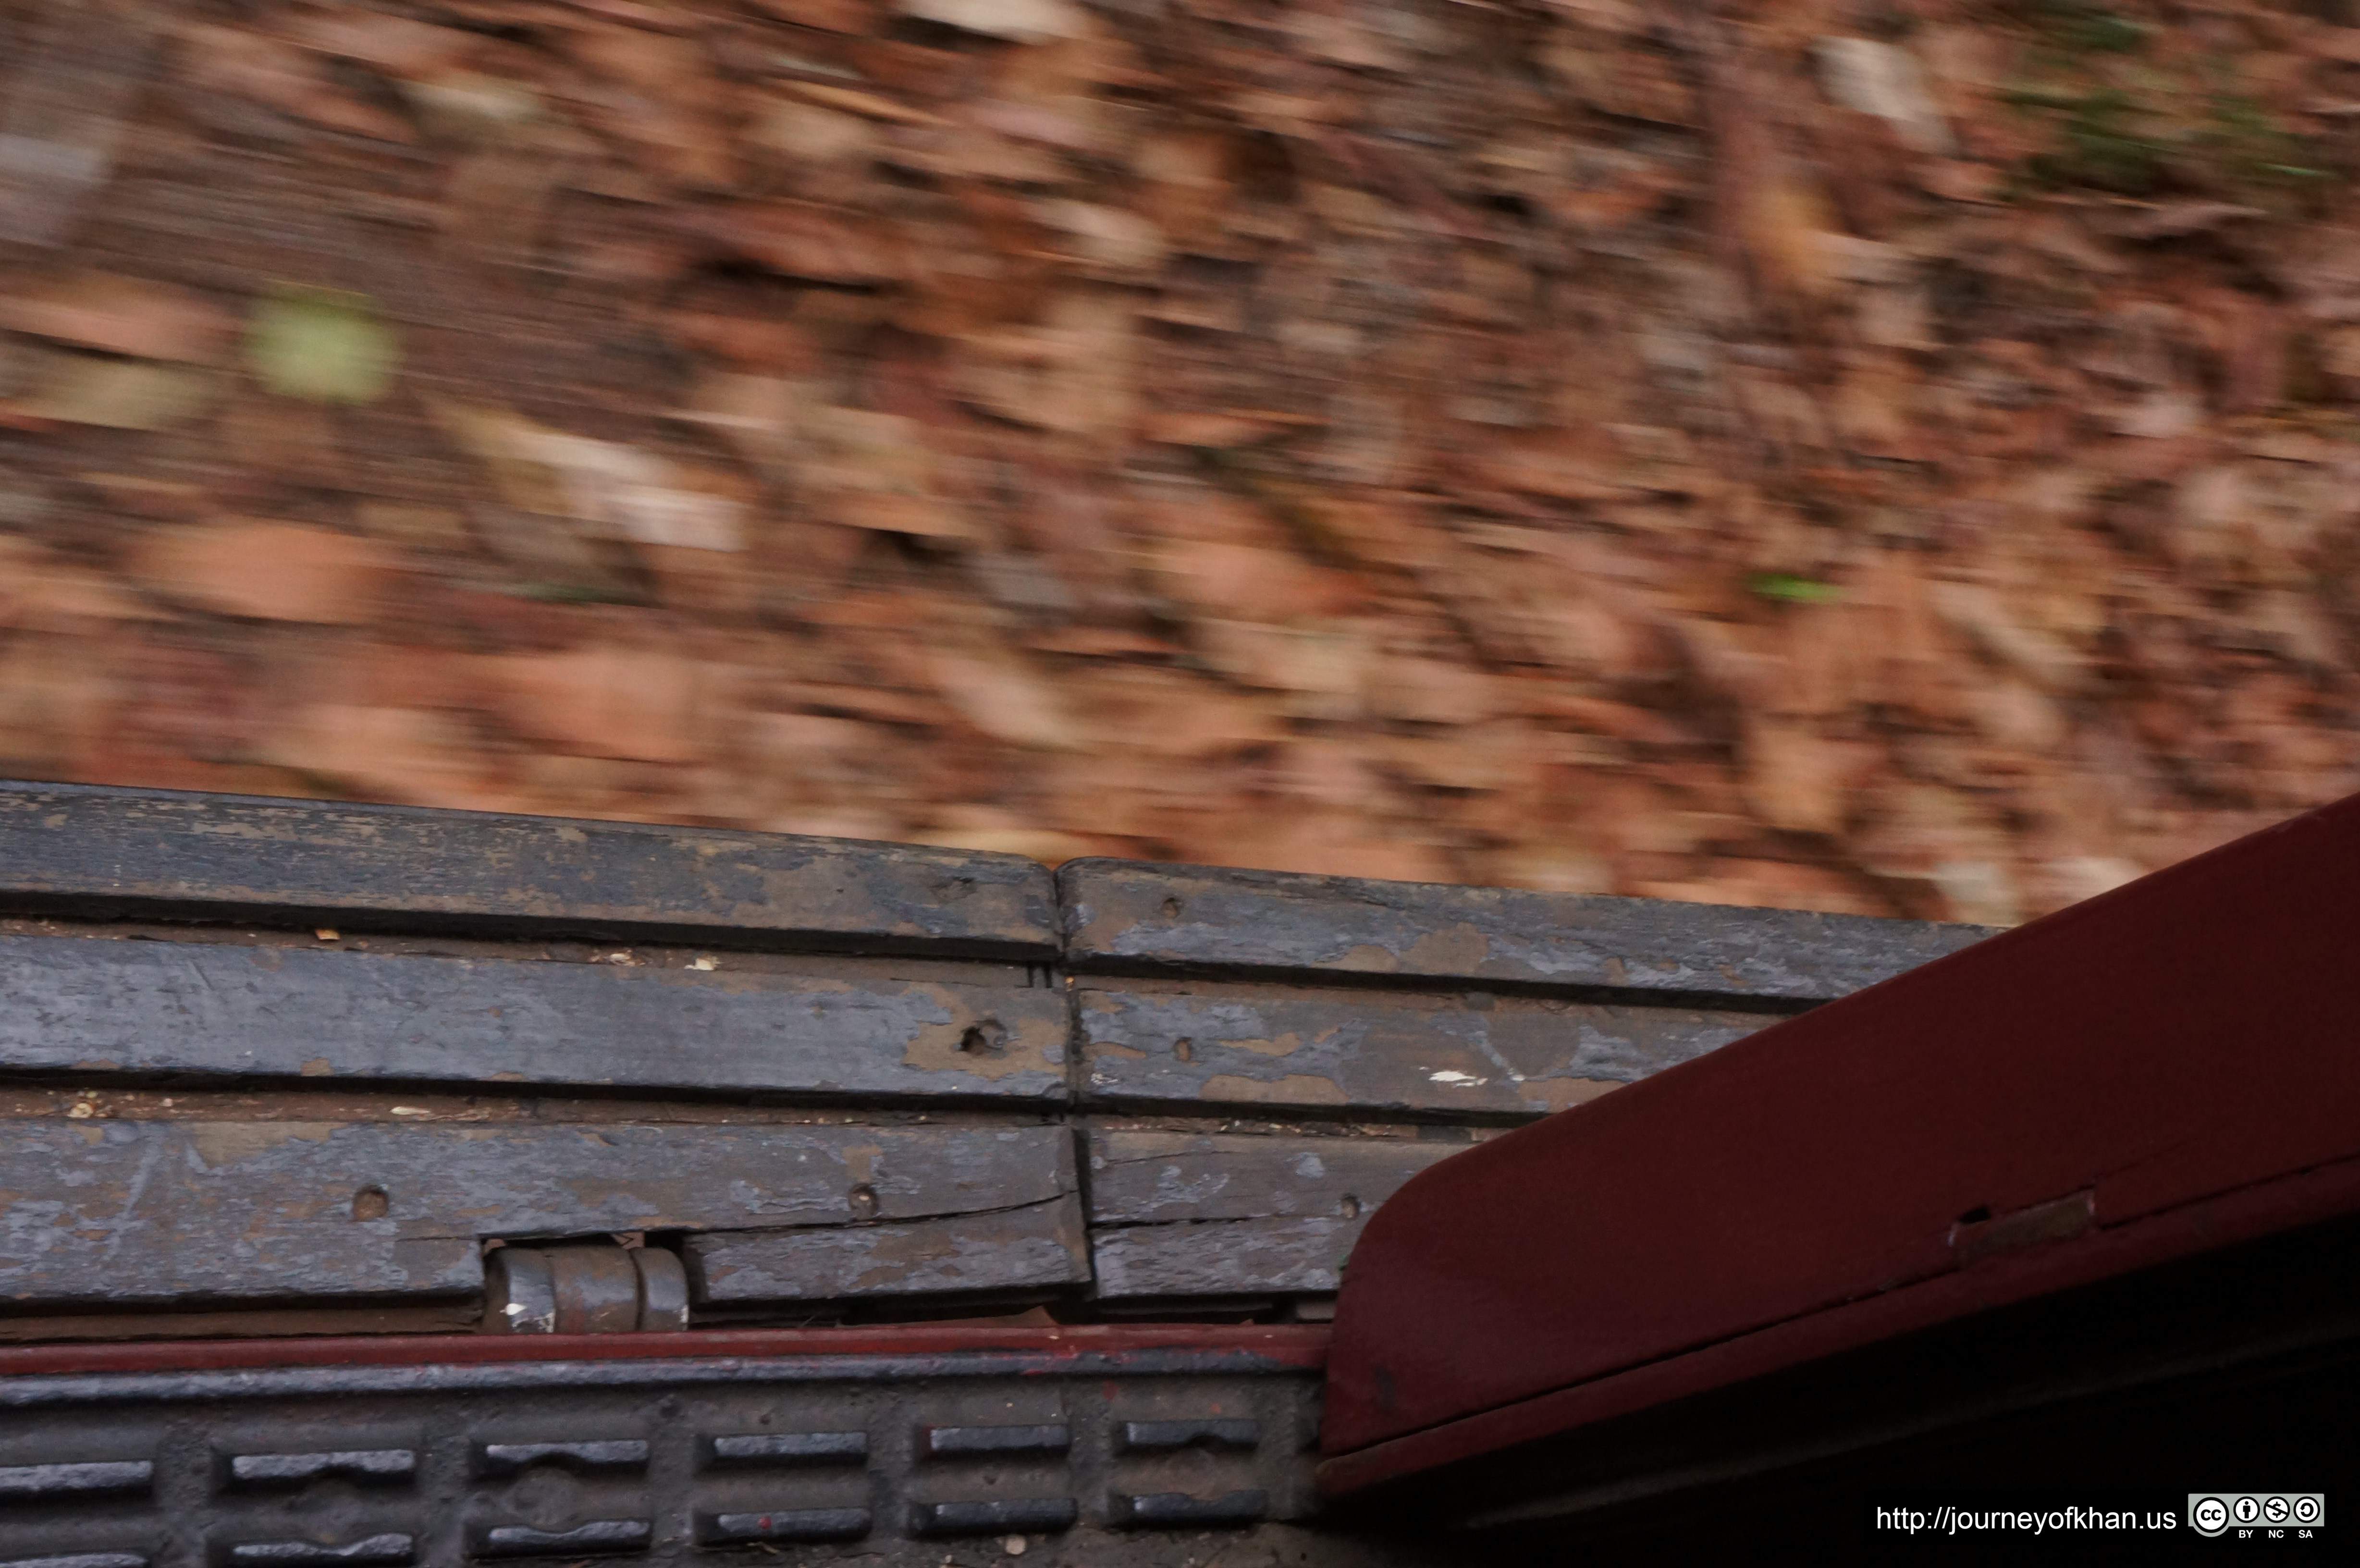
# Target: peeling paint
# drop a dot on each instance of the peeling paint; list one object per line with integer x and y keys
{"x": 1284, "y": 1045}
{"x": 1458, "y": 949}
{"x": 223, "y": 1145}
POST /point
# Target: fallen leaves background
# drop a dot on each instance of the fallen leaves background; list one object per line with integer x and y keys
{"x": 1880, "y": 455}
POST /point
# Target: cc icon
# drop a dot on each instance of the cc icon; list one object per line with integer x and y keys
{"x": 2209, "y": 1515}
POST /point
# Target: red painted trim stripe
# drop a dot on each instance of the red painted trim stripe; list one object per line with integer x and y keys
{"x": 1292, "y": 1344}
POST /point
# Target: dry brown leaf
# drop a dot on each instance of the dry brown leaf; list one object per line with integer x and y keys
{"x": 636, "y": 494}
{"x": 473, "y": 109}
{"x": 1787, "y": 226}
{"x": 1324, "y": 668}
{"x": 121, "y": 315}
{"x": 1883, "y": 80}
{"x": 39, "y": 588}
{"x": 1240, "y": 581}
{"x": 1107, "y": 240}
{"x": 401, "y": 754}
{"x": 1165, "y": 713}
{"x": 661, "y": 98}
{"x": 269, "y": 570}
{"x": 397, "y": 46}
{"x": 606, "y": 700}
{"x": 826, "y": 16}
{"x": 799, "y": 241}
{"x": 1339, "y": 40}
{"x": 1073, "y": 374}
{"x": 1794, "y": 777}
{"x": 758, "y": 416}
{"x": 1633, "y": 83}
{"x": 1430, "y": 691}
{"x": 1047, "y": 846}
{"x": 115, "y": 394}
{"x": 868, "y": 106}
{"x": 1553, "y": 471}
{"x": 1981, "y": 614}
{"x": 996, "y": 692}
{"x": 1025, "y": 21}
{"x": 875, "y": 471}
{"x": 1211, "y": 431}
{"x": 245, "y": 64}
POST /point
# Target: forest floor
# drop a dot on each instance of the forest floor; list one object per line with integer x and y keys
{"x": 1886, "y": 455}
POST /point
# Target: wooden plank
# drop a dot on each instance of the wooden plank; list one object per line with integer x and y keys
{"x": 1381, "y": 1051}
{"x": 99, "y": 1005}
{"x": 92, "y": 850}
{"x": 1224, "y": 1257}
{"x": 105, "y": 1210}
{"x": 1198, "y": 1215}
{"x": 1119, "y": 913}
{"x": 1157, "y": 1178}
{"x": 1039, "y": 1245}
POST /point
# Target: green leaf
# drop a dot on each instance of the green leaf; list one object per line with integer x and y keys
{"x": 1797, "y": 589}
{"x": 321, "y": 345}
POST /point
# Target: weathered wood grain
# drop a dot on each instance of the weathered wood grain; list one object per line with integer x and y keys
{"x": 1378, "y": 1051}
{"x": 98, "y": 1005}
{"x": 1038, "y": 1244}
{"x": 1157, "y": 1178}
{"x": 1198, "y": 1215}
{"x": 89, "y": 849}
{"x": 103, "y": 1210}
{"x": 1122, "y": 913}
{"x": 1224, "y": 1257}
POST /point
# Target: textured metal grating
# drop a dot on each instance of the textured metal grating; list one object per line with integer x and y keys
{"x": 689, "y": 1459}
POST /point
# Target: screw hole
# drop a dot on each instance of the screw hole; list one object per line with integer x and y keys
{"x": 1172, "y": 908}
{"x": 985, "y": 1038}
{"x": 371, "y": 1204}
{"x": 1349, "y": 1207}
{"x": 1184, "y": 1049}
{"x": 863, "y": 1201}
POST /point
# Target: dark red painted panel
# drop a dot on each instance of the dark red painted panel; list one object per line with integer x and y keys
{"x": 2179, "y": 1040}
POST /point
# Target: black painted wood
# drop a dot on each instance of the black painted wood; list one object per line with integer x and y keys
{"x": 1379, "y": 1050}
{"x": 1038, "y": 1244}
{"x": 1176, "y": 1213}
{"x": 86, "y": 850}
{"x": 1224, "y": 1257}
{"x": 1124, "y": 914}
{"x": 100, "y": 1005}
{"x": 1140, "y": 1176}
{"x": 102, "y": 1210}
{"x": 1495, "y": 1006}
